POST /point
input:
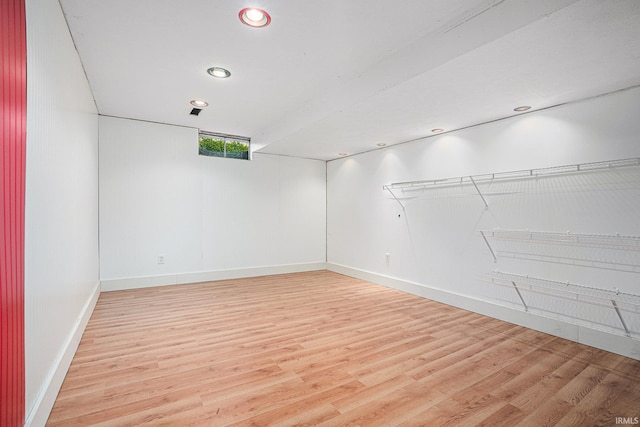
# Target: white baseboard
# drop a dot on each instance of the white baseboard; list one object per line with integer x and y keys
{"x": 206, "y": 276}
{"x": 39, "y": 414}
{"x": 618, "y": 344}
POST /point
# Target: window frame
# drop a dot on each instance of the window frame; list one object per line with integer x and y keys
{"x": 226, "y": 138}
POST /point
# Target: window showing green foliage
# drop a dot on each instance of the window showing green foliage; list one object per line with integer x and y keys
{"x": 217, "y": 145}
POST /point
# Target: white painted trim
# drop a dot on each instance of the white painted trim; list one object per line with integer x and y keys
{"x": 51, "y": 386}
{"x": 618, "y": 344}
{"x": 206, "y": 276}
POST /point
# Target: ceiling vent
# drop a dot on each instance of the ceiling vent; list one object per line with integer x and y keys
{"x": 195, "y": 111}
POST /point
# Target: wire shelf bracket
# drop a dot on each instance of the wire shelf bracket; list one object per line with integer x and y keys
{"x": 486, "y": 205}
{"x": 493, "y": 254}
{"x": 520, "y": 295}
{"x": 624, "y": 325}
{"x": 389, "y": 189}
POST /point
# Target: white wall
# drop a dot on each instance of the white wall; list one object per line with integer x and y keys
{"x": 435, "y": 246}
{"x": 209, "y": 217}
{"x": 61, "y": 241}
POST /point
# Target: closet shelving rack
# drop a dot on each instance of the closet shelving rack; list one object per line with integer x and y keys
{"x": 524, "y": 285}
{"x": 601, "y": 241}
{"x": 612, "y": 299}
{"x": 475, "y": 180}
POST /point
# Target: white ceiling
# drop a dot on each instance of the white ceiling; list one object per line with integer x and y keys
{"x": 340, "y": 76}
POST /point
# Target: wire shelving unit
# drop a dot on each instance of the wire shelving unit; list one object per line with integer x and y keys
{"x": 524, "y": 286}
{"x": 476, "y": 180}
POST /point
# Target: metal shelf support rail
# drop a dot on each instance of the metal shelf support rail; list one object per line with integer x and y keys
{"x": 569, "y": 291}
{"x": 520, "y": 174}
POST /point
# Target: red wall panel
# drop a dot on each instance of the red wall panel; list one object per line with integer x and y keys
{"x": 13, "y": 101}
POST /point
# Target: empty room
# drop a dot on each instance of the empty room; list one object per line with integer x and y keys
{"x": 337, "y": 213}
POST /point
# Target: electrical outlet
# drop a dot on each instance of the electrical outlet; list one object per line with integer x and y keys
{"x": 387, "y": 258}
{"x": 160, "y": 259}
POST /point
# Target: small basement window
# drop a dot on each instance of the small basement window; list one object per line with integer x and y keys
{"x": 221, "y": 145}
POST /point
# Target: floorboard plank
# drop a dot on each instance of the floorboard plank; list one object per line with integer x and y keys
{"x": 323, "y": 349}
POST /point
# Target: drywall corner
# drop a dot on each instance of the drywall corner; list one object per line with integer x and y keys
{"x": 44, "y": 403}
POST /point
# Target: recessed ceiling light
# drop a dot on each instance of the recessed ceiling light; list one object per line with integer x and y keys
{"x": 219, "y": 72}
{"x": 198, "y": 103}
{"x": 382, "y": 144}
{"x": 254, "y": 17}
{"x": 437, "y": 130}
{"x": 522, "y": 108}
{"x": 342, "y": 154}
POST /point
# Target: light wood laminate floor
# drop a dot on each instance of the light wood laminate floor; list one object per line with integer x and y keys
{"x": 323, "y": 349}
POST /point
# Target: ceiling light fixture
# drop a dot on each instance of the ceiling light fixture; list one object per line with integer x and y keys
{"x": 523, "y": 108}
{"x": 342, "y": 154}
{"x": 254, "y": 17}
{"x": 219, "y": 72}
{"x": 381, "y": 144}
{"x": 199, "y": 103}
{"x": 437, "y": 130}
